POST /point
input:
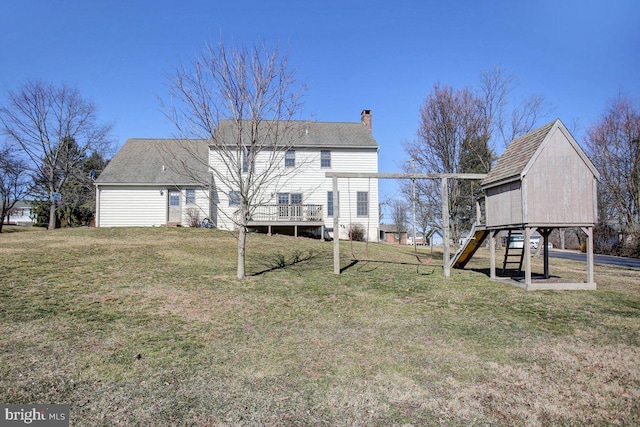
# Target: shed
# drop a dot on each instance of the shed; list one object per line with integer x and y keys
{"x": 542, "y": 181}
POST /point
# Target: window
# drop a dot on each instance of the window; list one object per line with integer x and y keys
{"x": 174, "y": 198}
{"x": 190, "y": 196}
{"x": 329, "y": 203}
{"x": 325, "y": 158}
{"x": 362, "y": 203}
{"x": 283, "y": 198}
{"x": 290, "y": 158}
{"x": 234, "y": 198}
{"x": 289, "y": 198}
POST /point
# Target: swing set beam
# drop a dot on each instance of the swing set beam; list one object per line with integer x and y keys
{"x": 444, "y": 177}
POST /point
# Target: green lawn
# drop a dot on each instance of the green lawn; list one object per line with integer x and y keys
{"x": 150, "y": 327}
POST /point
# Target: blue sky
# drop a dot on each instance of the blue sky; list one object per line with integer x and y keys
{"x": 379, "y": 55}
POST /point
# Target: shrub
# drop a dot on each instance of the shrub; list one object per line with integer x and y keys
{"x": 358, "y": 233}
{"x": 193, "y": 217}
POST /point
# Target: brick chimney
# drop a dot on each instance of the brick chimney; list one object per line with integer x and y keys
{"x": 365, "y": 118}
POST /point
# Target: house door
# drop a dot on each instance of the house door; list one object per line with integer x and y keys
{"x": 283, "y": 205}
{"x": 289, "y": 205}
{"x": 295, "y": 199}
{"x": 175, "y": 210}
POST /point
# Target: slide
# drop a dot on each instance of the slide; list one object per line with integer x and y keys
{"x": 470, "y": 246}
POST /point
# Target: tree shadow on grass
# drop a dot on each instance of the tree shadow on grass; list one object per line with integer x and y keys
{"x": 363, "y": 266}
{"x": 279, "y": 261}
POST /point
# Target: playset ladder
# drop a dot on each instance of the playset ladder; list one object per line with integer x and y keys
{"x": 513, "y": 255}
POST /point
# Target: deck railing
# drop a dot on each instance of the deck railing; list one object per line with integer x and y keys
{"x": 296, "y": 212}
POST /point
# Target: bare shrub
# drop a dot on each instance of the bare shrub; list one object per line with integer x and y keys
{"x": 193, "y": 217}
{"x": 358, "y": 233}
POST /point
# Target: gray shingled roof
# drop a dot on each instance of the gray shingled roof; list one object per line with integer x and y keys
{"x": 157, "y": 161}
{"x": 310, "y": 134}
{"x": 517, "y": 155}
{"x": 141, "y": 161}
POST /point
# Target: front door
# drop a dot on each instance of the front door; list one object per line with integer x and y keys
{"x": 175, "y": 210}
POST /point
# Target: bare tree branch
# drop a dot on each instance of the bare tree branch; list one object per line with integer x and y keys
{"x": 56, "y": 128}
{"x": 244, "y": 102}
{"x": 613, "y": 143}
{"x": 459, "y": 131}
{"x": 14, "y": 181}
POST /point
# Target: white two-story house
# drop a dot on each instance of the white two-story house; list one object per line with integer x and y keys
{"x": 151, "y": 182}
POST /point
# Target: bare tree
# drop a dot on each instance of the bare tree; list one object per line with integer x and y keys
{"x": 428, "y": 210}
{"x": 13, "y": 182}
{"x": 502, "y": 122}
{"x": 613, "y": 142}
{"x": 425, "y": 199}
{"x": 244, "y": 102}
{"x": 56, "y": 128}
{"x": 458, "y": 133}
{"x": 400, "y": 217}
{"x": 452, "y": 138}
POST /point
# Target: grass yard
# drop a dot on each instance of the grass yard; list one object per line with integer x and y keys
{"x": 150, "y": 327}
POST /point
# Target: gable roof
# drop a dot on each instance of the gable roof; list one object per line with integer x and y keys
{"x": 522, "y": 152}
{"x": 156, "y": 161}
{"x": 308, "y": 134}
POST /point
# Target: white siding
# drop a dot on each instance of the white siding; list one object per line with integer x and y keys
{"x": 132, "y": 206}
{"x": 145, "y": 206}
{"x": 199, "y": 208}
{"x": 20, "y": 216}
{"x": 309, "y": 179}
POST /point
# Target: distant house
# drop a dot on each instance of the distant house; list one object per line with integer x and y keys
{"x": 389, "y": 233}
{"x": 140, "y": 188}
{"x": 434, "y": 237}
{"x": 21, "y": 214}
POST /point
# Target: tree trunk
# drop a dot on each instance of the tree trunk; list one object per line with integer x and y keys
{"x": 242, "y": 240}
{"x": 52, "y": 216}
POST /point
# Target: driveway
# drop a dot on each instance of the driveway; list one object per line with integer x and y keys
{"x": 597, "y": 259}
